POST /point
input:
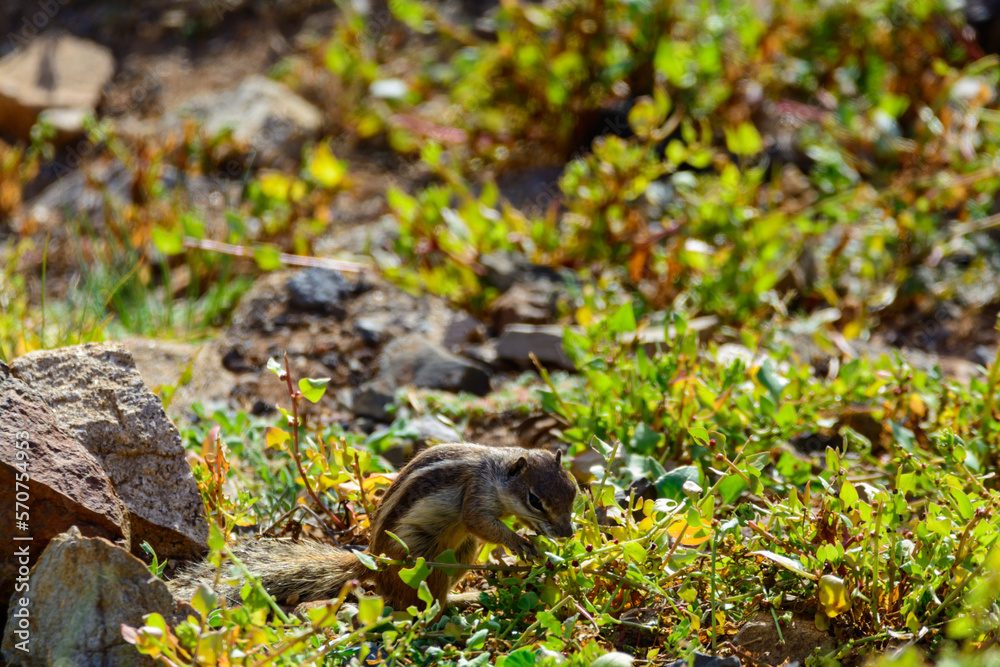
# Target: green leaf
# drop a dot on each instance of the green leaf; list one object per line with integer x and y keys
{"x": 404, "y": 205}
{"x": 325, "y": 169}
{"x": 745, "y": 140}
{"x": 267, "y": 256}
{"x": 644, "y": 116}
{"x": 602, "y": 448}
{"x": 671, "y": 60}
{"x": 398, "y": 539}
{"x": 527, "y": 601}
{"x": 786, "y": 562}
{"x": 832, "y": 460}
{"x": 367, "y": 560}
{"x": 962, "y": 503}
{"x": 645, "y": 440}
{"x": 522, "y": 657}
{"x": 424, "y": 593}
{"x": 431, "y": 153}
{"x": 322, "y": 617}
{"x": 193, "y": 226}
{"x": 410, "y": 12}
{"x": 786, "y": 415}
{"x": 215, "y": 539}
{"x": 771, "y": 381}
{"x": 447, "y": 557}
{"x": 730, "y": 487}
{"x": 906, "y": 483}
{"x": 671, "y": 485}
{"x": 848, "y": 495}
{"x": 960, "y": 627}
{"x": 369, "y": 608}
{"x": 155, "y": 620}
{"x": 613, "y": 659}
{"x": 903, "y": 436}
{"x": 414, "y": 576}
{"x": 478, "y": 639}
{"x": 204, "y": 600}
{"x": 635, "y": 551}
{"x": 623, "y": 321}
{"x": 313, "y": 388}
{"x": 699, "y": 435}
{"x": 169, "y": 243}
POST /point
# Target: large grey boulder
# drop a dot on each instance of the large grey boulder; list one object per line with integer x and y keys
{"x": 99, "y": 398}
{"x": 48, "y": 482}
{"x": 265, "y": 117}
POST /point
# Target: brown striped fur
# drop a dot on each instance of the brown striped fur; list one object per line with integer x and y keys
{"x": 448, "y": 497}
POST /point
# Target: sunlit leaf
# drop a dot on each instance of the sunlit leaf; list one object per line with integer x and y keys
{"x": 369, "y": 608}
{"x": 168, "y": 242}
{"x": 833, "y": 595}
{"x": 786, "y": 562}
{"x": 326, "y": 169}
{"x": 414, "y": 576}
{"x": 692, "y": 536}
{"x": 313, "y": 388}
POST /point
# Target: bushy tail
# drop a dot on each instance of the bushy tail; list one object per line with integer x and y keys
{"x": 292, "y": 572}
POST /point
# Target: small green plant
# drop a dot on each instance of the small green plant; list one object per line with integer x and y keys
{"x": 155, "y": 567}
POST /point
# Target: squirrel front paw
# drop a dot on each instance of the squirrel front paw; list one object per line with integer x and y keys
{"x": 525, "y": 549}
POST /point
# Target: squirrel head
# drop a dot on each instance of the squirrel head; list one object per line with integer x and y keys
{"x": 541, "y": 493}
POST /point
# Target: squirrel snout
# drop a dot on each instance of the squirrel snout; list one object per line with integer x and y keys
{"x": 564, "y": 530}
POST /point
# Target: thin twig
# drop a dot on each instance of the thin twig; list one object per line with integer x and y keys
{"x": 286, "y": 258}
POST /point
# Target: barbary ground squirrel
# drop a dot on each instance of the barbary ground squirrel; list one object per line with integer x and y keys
{"x": 448, "y": 497}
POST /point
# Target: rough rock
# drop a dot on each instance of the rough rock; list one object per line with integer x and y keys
{"x": 524, "y": 303}
{"x": 503, "y": 269}
{"x": 429, "y": 428}
{"x": 372, "y": 399}
{"x": 264, "y": 116}
{"x": 82, "y": 590}
{"x": 265, "y": 325}
{"x": 464, "y": 328}
{"x": 65, "y": 483}
{"x": 372, "y": 231}
{"x": 319, "y": 290}
{"x": 414, "y": 360}
{"x": 98, "y": 396}
{"x": 373, "y": 329}
{"x": 55, "y": 72}
{"x": 519, "y": 341}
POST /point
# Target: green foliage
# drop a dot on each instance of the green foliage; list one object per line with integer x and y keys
{"x": 824, "y": 159}
{"x": 895, "y": 534}
{"x": 897, "y": 125}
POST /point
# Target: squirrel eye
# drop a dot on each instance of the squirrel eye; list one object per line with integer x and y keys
{"x": 535, "y": 502}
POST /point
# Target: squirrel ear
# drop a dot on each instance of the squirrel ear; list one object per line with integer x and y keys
{"x": 558, "y": 457}
{"x": 517, "y": 467}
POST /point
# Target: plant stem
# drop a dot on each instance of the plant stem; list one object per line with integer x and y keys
{"x": 296, "y": 396}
